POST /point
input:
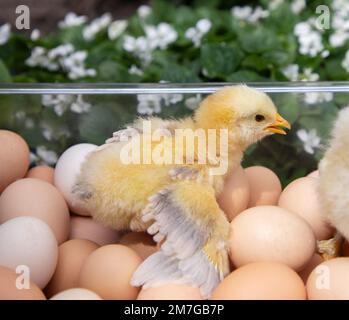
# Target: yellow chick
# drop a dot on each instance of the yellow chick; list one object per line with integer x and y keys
{"x": 333, "y": 185}
{"x": 170, "y": 191}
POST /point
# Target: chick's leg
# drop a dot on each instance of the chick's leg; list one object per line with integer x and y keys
{"x": 330, "y": 248}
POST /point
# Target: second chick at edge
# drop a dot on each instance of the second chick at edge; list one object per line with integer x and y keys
{"x": 176, "y": 203}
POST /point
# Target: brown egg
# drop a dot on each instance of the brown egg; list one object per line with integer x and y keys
{"x": 269, "y": 233}
{"x": 301, "y": 197}
{"x": 44, "y": 173}
{"x": 236, "y": 194}
{"x": 329, "y": 280}
{"x": 108, "y": 271}
{"x": 87, "y": 228}
{"x": 76, "y": 294}
{"x": 13, "y": 287}
{"x": 314, "y": 174}
{"x": 140, "y": 242}
{"x": 311, "y": 265}
{"x": 14, "y": 158}
{"x": 39, "y": 199}
{"x": 261, "y": 281}
{"x": 170, "y": 292}
{"x": 265, "y": 186}
{"x": 71, "y": 257}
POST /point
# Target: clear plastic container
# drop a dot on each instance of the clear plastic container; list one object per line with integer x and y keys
{"x": 51, "y": 117}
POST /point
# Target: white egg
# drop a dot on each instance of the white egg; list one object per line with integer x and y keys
{"x": 67, "y": 169}
{"x": 29, "y": 246}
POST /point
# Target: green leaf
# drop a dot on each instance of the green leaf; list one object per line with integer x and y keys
{"x": 258, "y": 40}
{"x": 174, "y": 72}
{"x": 220, "y": 60}
{"x": 4, "y": 73}
{"x": 244, "y": 76}
{"x": 289, "y": 105}
{"x": 112, "y": 71}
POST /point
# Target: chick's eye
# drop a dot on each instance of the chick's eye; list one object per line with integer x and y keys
{"x": 259, "y": 118}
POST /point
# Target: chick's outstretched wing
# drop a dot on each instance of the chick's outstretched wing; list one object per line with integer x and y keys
{"x": 194, "y": 232}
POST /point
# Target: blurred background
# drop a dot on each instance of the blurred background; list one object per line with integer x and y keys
{"x": 105, "y": 41}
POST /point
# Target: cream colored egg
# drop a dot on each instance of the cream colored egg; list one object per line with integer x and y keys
{"x": 329, "y": 280}
{"x": 236, "y": 193}
{"x": 314, "y": 174}
{"x": 44, "y": 173}
{"x": 71, "y": 257}
{"x": 310, "y": 266}
{"x": 76, "y": 294}
{"x": 301, "y": 197}
{"x": 141, "y": 242}
{"x": 14, "y": 158}
{"x": 269, "y": 233}
{"x": 265, "y": 186}
{"x": 15, "y": 287}
{"x": 67, "y": 169}
{"x": 29, "y": 242}
{"x": 170, "y": 292}
{"x": 261, "y": 281}
{"x": 108, "y": 271}
{"x": 87, "y": 228}
{"x": 37, "y": 198}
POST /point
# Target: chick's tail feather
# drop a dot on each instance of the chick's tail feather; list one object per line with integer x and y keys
{"x": 194, "y": 232}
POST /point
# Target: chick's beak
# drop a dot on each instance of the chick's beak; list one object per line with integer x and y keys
{"x": 279, "y": 125}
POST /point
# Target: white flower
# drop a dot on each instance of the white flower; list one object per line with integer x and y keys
{"x": 60, "y": 51}
{"x": 172, "y": 98}
{"x": 193, "y": 102}
{"x": 64, "y": 57}
{"x": 60, "y": 102}
{"x": 80, "y": 106}
{"x": 195, "y": 34}
{"x": 247, "y": 13}
{"x": 149, "y": 104}
{"x": 143, "y": 11}
{"x": 39, "y": 58}
{"x": 89, "y": 33}
{"x": 310, "y": 140}
{"x": 74, "y": 64}
{"x": 135, "y": 70}
{"x": 273, "y": 4}
{"x": 291, "y": 72}
{"x": 160, "y": 36}
{"x": 309, "y": 39}
{"x": 116, "y": 29}
{"x": 338, "y": 38}
{"x": 49, "y": 157}
{"x": 35, "y": 34}
{"x": 72, "y": 20}
{"x": 5, "y": 31}
{"x": 317, "y": 97}
{"x": 156, "y": 37}
{"x": 297, "y": 6}
{"x": 309, "y": 75}
{"x": 242, "y": 13}
{"x": 140, "y": 47}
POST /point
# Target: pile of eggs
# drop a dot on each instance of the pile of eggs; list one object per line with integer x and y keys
{"x": 50, "y": 248}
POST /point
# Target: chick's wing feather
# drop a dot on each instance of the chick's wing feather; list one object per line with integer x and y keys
{"x": 188, "y": 219}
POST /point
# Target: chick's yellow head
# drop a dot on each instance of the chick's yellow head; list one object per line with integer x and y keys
{"x": 247, "y": 113}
